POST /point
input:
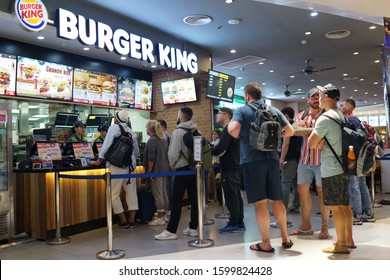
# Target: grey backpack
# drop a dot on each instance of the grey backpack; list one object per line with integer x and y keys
{"x": 265, "y": 129}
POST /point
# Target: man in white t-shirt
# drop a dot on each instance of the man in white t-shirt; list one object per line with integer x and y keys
{"x": 334, "y": 181}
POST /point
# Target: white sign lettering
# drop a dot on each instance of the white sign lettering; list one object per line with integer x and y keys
{"x": 90, "y": 32}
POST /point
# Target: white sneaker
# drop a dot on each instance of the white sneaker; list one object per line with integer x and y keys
{"x": 190, "y": 232}
{"x": 165, "y": 218}
{"x": 166, "y": 235}
{"x": 156, "y": 222}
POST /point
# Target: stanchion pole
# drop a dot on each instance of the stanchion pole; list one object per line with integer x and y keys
{"x": 58, "y": 240}
{"x": 206, "y": 221}
{"x": 374, "y": 205}
{"x": 223, "y": 215}
{"x": 200, "y": 242}
{"x": 109, "y": 254}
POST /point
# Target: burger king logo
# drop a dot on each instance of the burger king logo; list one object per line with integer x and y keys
{"x": 32, "y": 14}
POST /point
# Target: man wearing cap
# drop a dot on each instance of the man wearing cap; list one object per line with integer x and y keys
{"x": 121, "y": 118}
{"x": 334, "y": 182}
{"x": 309, "y": 167}
{"x": 78, "y": 130}
{"x": 103, "y": 129}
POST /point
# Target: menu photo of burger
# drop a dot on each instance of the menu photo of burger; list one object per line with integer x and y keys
{"x": 5, "y": 77}
{"x": 143, "y": 95}
{"x": 95, "y": 86}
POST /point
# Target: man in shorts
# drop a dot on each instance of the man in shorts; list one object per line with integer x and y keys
{"x": 309, "y": 167}
{"x": 334, "y": 181}
{"x": 261, "y": 170}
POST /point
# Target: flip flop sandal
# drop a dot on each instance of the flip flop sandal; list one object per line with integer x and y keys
{"x": 332, "y": 250}
{"x": 259, "y": 249}
{"x": 302, "y": 232}
{"x": 287, "y": 245}
{"x": 323, "y": 235}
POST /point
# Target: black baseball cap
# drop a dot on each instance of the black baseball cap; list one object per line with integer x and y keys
{"x": 78, "y": 124}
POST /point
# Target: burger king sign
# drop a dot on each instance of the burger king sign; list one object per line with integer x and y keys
{"x": 32, "y": 14}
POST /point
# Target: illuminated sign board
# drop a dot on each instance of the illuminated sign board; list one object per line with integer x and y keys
{"x": 91, "y": 32}
{"x": 32, "y": 14}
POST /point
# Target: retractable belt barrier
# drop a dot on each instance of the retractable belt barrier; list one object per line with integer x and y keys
{"x": 111, "y": 253}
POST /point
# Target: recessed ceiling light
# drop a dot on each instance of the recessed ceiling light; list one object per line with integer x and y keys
{"x": 355, "y": 90}
{"x": 373, "y": 27}
{"x": 123, "y": 57}
{"x": 234, "y": 21}
{"x": 271, "y": 93}
{"x": 355, "y": 53}
{"x": 375, "y": 103}
{"x": 351, "y": 97}
{"x": 263, "y": 84}
{"x": 271, "y": 71}
{"x": 197, "y": 20}
{"x": 239, "y": 78}
{"x": 153, "y": 66}
{"x": 345, "y": 74}
{"x": 377, "y": 61}
{"x": 361, "y": 79}
{"x": 292, "y": 77}
{"x": 366, "y": 93}
{"x": 375, "y": 83}
{"x": 342, "y": 87}
{"x": 261, "y": 63}
{"x": 40, "y": 37}
{"x": 308, "y": 33}
{"x": 229, "y": 1}
{"x": 303, "y": 97}
{"x": 86, "y": 49}
{"x": 313, "y": 14}
{"x": 312, "y": 80}
{"x": 233, "y": 51}
{"x": 375, "y": 94}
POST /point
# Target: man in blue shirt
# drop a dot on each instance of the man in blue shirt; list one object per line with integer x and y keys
{"x": 261, "y": 170}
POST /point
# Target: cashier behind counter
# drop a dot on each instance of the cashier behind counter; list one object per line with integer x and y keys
{"x": 78, "y": 130}
{"x": 98, "y": 142}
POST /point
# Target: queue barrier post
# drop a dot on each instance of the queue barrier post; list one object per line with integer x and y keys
{"x": 109, "y": 254}
{"x": 206, "y": 221}
{"x": 57, "y": 240}
{"x": 200, "y": 188}
{"x": 374, "y": 205}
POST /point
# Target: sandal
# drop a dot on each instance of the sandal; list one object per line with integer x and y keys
{"x": 257, "y": 247}
{"x": 287, "y": 245}
{"x": 336, "y": 249}
{"x": 299, "y": 231}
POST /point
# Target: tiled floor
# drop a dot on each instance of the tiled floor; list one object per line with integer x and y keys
{"x": 372, "y": 240}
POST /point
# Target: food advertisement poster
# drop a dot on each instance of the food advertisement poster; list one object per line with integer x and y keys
{"x": 178, "y": 91}
{"x": 143, "y": 95}
{"x": 94, "y": 88}
{"x": 37, "y": 78}
{"x": 49, "y": 149}
{"x": 126, "y": 92}
{"x": 220, "y": 86}
{"x": 7, "y": 74}
{"x": 82, "y": 150}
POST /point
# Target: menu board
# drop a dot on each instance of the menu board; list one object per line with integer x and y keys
{"x": 51, "y": 149}
{"x": 41, "y": 79}
{"x": 178, "y": 91}
{"x": 143, "y": 95}
{"x": 82, "y": 150}
{"x": 382, "y": 121}
{"x": 126, "y": 92}
{"x": 220, "y": 86}
{"x": 94, "y": 88}
{"x": 7, "y": 74}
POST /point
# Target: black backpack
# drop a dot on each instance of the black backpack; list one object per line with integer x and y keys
{"x": 265, "y": 129}
{"x": 358, "y": 137}
{"x": 188, "y": 140}
{"x": 121, "y": 150}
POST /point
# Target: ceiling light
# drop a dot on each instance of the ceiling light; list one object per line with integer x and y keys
{"x": 263, "y": 84}
{"x": 153, "y": 66}
{"x": 377, "y": 61}
{"x": 197, "y": 20}
{"x": 271, "y": 93}
{"x": 40, "y": 37}
{"x": 374, "y": 103}
{"x": 355, "y": 53}
{"x": 271, "y": 71}
{"x": 33, "y": 106}
{"x": 261, "y": 63}
{"x": 313, "y": 14}
{"x": 351, "y": 97}
{"x": 239, "y": 78}
{"x": 342, "y": 87}
{"x": 361, "y": 79}
{"x": 123, "y": 57}
{"x": 366, "y": 93}
{"x": 337, "y": 34}
{"x": 312, "y": 80}
{"x": 229, "y": 1}
{"x": 233, "y": 51}
{"x": 345, "y": 74}
{"x": 375, "y": 94}
{"x": 308, "y": 33}
{"x": 234, "y": 21}
{"x": 372, "y": 27}
{"x": 375, "y": 83}
{"x": 292, "y": 77}
{"x": 355, "y": 90}
{"x": 303, "y": 97}
{"x": 33, "y": 119}
{"x": 86, "y": 49}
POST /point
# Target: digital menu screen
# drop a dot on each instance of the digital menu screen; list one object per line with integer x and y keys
{"x": 7, "y": 74}
{"x": 143, "y": 95}
{"x": 178, "y": 91}
{"x": 126, "y": 92}
{"x": 41, "y": 79}
{"x": 94, "y": 88}
{"x": 220, "y": 86}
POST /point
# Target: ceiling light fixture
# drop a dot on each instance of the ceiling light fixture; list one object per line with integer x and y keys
{"x": 377, "y": 61}
{"x": 355, "y": 90}
{"x": 372, "y": 27}
{"x": 342, "y": 87}
{"x": 355, "y": 53}
{"x": 271, "y": 71}
{"x": 86, "y": 49}
{"x": 40, "y": 37}
{"x": 345, "y": 74}
{"x": 337, "y": 34}
{"x": 234, "y": 21}
{"x": 366, "y": 93}
{"x": 261, "y": 63}
{"x": 308, "y": 33}
{"x": 375, "y": 83}
{"x": 233, "y": 51}
{"x": 123, "y": 57}
{"x": 196, "y": 20}
{"x": 153, "y": 66}
{"x": 312, "y": 80}
{"x": 375, "y": 94}
{"x": 239, "y": 78}
{"x": 292, "y": 77}
{"x": 313, "y": 14}
{"x": 263, "y": 84}
{"x": 361, "y": 79}
{"x": 229, "y": 1}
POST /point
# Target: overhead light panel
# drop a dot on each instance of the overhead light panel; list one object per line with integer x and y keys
{"x": 313, "y": 14}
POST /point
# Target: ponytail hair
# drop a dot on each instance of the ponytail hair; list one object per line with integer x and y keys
{"x": 156, "y": 128}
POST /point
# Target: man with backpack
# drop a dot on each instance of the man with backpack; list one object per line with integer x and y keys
{"x": 334, "y": 180}
{"x": 114, "y": 131}
{"x": 358, "y": 191}
{"x": 179, "y": 155}
{"x": 309, "y": 167}
{"x": 261, "y": 168}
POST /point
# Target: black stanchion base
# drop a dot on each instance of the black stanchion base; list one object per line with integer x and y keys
{"x": 110, "y": 255}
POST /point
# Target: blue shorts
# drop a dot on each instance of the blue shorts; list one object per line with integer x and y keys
{"x": 306, "y": 173}
{"x": 262, "y": 180}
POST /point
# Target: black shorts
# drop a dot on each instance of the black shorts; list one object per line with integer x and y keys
{"x": 262, "y": 180}
{"x": 335, "y": 190}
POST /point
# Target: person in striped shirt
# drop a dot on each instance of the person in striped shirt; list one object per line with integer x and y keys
{"x": 309, "y": 168}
